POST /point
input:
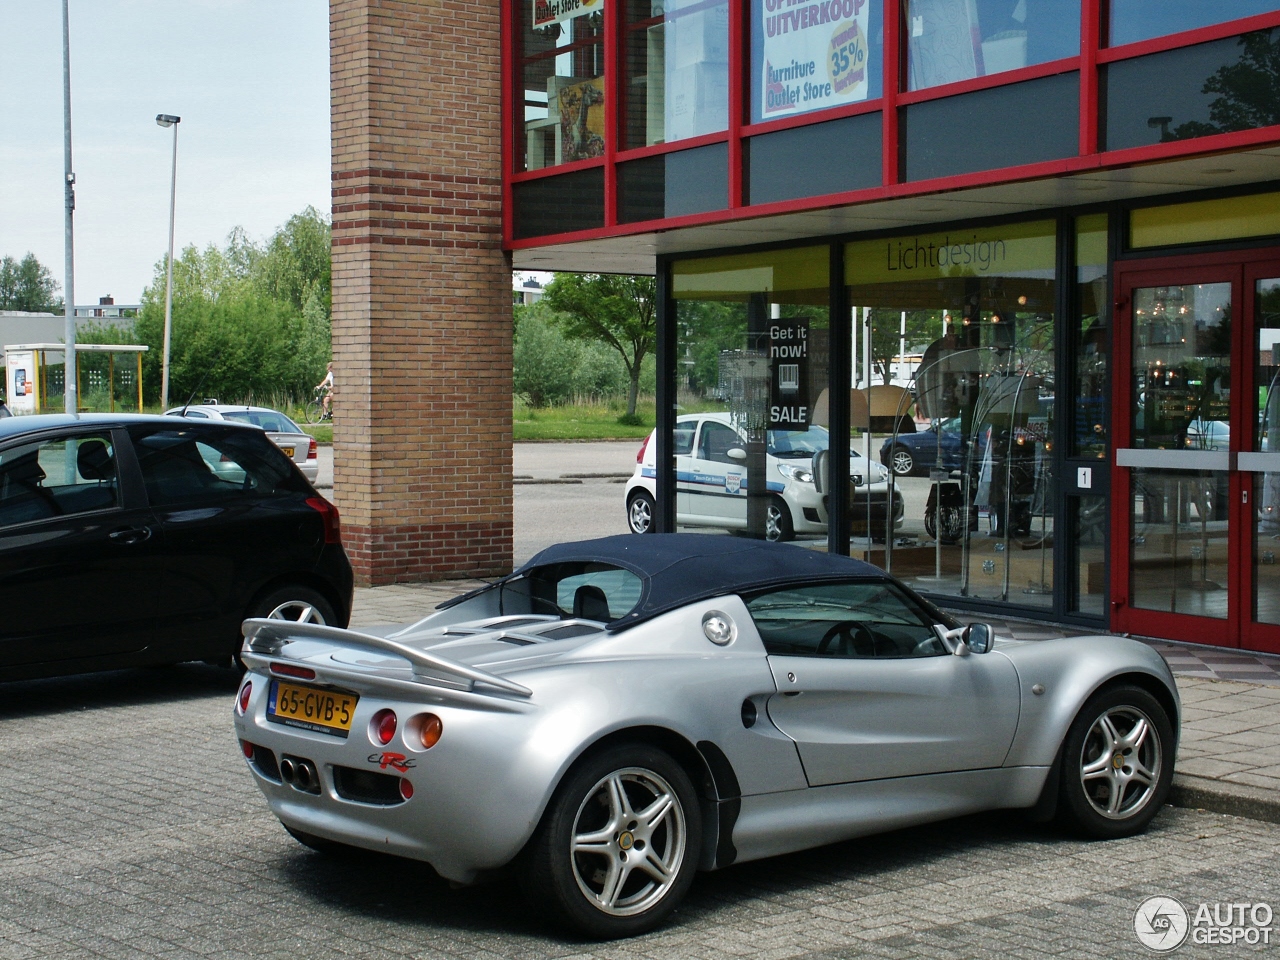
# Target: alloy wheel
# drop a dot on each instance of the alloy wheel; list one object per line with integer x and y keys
{"x": 1120, "y": 764}
{"x": 628, "y": 841}
{"x": 299, "y": 611}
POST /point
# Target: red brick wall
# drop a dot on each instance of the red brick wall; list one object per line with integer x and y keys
{"x": 421, "y": 290}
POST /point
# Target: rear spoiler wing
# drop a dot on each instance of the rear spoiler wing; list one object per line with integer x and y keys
{"x": 266, "y": 638}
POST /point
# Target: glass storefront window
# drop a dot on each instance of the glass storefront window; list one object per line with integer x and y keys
{"x": 953, "y": 391}
{"x": 953, "y": 40}
{"x": 560, "y": 107}
{"x": 813, "y": 56}
{"x": 677, "y": 70}
{"x": 1093, "y": 338}
{"x": 1134, "y": 20}
{"x": 752, "y": 364}
{"x": 1197, "y": 91}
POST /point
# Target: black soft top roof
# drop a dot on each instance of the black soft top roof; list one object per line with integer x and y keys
{"x": 680, "y": 568}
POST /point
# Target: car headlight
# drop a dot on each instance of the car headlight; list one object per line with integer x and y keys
{"x": 795, "y": 473}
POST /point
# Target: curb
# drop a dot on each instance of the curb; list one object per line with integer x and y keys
{"x": 1217, "y": 796}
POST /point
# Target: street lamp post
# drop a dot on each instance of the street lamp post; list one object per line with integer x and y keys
{"x": 69, "y": 194}
{"x": 167, "y": 120}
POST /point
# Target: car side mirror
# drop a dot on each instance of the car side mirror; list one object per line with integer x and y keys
{"x": 979, "y": 637}
{"x": 736, "y": 453}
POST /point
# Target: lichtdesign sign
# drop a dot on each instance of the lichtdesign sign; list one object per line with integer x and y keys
{"x": 547, "y": 12}
{"x": 789, "y": 381}
{"x": 815, "y": 55}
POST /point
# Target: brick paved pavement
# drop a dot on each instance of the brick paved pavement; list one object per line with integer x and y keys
{"x": 130, "y": 828}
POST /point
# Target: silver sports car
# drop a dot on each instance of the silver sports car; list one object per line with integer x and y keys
{"x": 621, "y": 713}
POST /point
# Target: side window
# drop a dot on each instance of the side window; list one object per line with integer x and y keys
{"x": 185, "y": 466}
{"x": 863, "y": 620}
{"x": 716, "y": 442}
{"x": 60, "y": 477}
{"x": 683, "y": 438}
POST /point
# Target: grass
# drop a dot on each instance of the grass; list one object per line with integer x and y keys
{"x": 580, "y": 421}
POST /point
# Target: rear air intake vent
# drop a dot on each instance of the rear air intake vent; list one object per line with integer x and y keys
{"x": 365, "y": 786}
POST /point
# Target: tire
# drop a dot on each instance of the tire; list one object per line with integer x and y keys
{"x": 628, "y": 875}
{"x": 640, "y": 510}
{"x": 295, "y": 602}
{"x": 952, "y": 524}
{"x": 778, "y": 527}
{"x": 1117, "y": 764}
{"x": 314, "y": 411}
{"x": 331, "y": 848}
{"x": 901, "y": 462}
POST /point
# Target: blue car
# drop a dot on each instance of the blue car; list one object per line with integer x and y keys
{"x": 915, "y": 454}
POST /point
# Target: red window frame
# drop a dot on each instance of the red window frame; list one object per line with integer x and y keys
{"x": 1094, "y": 54}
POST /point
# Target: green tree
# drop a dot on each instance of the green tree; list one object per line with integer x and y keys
{"x": 544, "y": 361}
{"x": 27, "y": 285}
{"x": 619, "y": 311}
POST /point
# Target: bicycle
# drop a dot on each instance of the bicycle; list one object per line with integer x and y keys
{"x": 315, "y": 412}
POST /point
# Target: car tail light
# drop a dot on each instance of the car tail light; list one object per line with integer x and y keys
{"x": 429, "y": 729}
{"x": 289, "y": 670}
{"x": 247, "y": 749}
{"x": 242, "y": 703}
{"x": 311, "y": 450}
{"x": 643, "y": 447}
{"x": 332, "y": 525}
{"x": 406, "y": 789}
{"x": 383, "y": 726}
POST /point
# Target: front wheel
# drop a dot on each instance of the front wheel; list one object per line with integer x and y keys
{"x": 618, "y": 846}
{"x": 640, "y": 509}
{"x": 1117, "y": 764}
{"x": 777, "y": 523}
{"x": 314, "y": 411}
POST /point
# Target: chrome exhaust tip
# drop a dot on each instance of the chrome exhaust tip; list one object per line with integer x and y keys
{"x": 288, "y": 770}
{"x": 304, "y": 778}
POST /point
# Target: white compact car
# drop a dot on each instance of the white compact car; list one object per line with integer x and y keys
{"x": 297, "y": 445}
{"x": 711, "y": 482}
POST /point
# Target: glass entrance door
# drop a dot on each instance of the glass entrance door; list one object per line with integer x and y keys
{"x": 1196, "y": 469}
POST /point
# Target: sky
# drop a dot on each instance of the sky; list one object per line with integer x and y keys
{"x": 250, "y": 79}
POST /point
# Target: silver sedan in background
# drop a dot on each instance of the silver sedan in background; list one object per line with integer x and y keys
{"x": 299, "y": 446}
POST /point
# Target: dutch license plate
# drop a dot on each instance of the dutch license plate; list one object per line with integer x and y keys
{"x": 288, "y": 451}
{"x": 325, "y": 711}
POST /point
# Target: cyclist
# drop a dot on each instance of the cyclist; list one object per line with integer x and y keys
{"x": 326, "y": 399}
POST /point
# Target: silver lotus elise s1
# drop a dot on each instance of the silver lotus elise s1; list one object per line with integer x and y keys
{"x": 621, "y": 713}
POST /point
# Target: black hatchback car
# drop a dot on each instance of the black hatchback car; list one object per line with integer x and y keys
{"x": 128, "y": 540}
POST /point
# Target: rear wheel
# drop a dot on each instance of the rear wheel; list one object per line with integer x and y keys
{"x": 1117, "y": 763}
{"x": 297, "y": 603}
{"x": 618, "y": 846}
{"x": 640, "y": 509}
{"x": 901, "y": 462}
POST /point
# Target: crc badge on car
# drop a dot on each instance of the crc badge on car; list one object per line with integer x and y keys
{"x": 620, "y": 714}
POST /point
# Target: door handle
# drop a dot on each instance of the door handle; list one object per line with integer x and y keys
{"x": 130, "y": 535}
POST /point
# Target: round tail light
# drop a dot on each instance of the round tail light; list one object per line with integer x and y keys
{"x": 406, "y": 789}
{"x": 429, "y": 730}
{"x": 242, "y": 704}
{"x": 383, "y": 726}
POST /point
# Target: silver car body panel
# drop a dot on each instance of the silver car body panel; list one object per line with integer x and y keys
{"x": 480, "y": 792}
{"x": 297, "y": 446}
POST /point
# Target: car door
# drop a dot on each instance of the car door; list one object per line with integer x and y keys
{"x": 230, "y": 515}
{"x": 868, "y": 691}
{"x": 715, "y": 483}
{"x": 77, "y": 549}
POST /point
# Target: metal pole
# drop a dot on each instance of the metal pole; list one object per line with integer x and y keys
{"x": 69, "y": 284}
{"x": 168, "y": 285}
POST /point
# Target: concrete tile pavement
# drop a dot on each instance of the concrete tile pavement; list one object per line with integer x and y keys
{"x": 1229, "y": 753}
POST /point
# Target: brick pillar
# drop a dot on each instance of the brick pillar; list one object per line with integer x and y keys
{"x": 421, "y": 290}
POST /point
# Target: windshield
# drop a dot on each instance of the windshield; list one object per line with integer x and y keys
{"x": 798, "y": 444}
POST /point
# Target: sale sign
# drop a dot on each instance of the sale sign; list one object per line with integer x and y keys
{"x": 815, "y": 55}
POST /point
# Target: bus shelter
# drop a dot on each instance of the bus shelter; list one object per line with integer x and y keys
{"x": 108, "y": 376}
